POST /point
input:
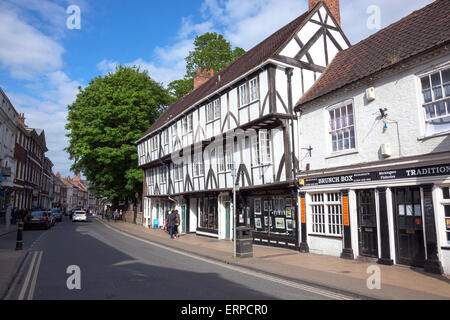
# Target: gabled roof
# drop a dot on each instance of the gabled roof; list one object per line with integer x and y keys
{"x": 421, "y": 31}
{"x": 244, "y": 64}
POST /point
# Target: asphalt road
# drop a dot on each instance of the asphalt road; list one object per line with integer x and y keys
{"x": 113, "y": 265}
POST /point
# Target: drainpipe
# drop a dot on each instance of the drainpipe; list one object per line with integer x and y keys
{"x": 289, "y": 72}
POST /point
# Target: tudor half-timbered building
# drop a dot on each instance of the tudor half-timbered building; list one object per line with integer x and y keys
{"x": 240, "y": 118}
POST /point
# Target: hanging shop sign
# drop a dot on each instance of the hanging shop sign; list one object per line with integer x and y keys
{"x": 429, "y": 171}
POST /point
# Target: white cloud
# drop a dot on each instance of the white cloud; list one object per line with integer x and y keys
{"x": 24, "y": 50}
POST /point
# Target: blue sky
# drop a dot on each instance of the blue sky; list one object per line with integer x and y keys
{"x": 42, "y": 62}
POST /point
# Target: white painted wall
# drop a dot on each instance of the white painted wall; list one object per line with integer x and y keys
{"x": 401, "y": 95}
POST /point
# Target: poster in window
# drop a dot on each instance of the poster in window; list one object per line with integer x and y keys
{"x": 267, "y": 206}
{"x": 447, "y": 223}
{"x": 417, "y": 210}
{"x": 289, "y": 225}
{"x": 279, "y": 223}
{"x": 401, "y": 210}
{"x": 270, "y": 221}
{"x": 409, "y": 210}
{"x": 288, "y": 202}
{"x": 257, "y": 206}
{"x": 266, "y": 221}
{"x": 288, "y": 213}
{"x": 258, "y": 223}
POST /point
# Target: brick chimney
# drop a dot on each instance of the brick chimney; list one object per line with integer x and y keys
{"x": 332, "y": 5}
{"x": 77, "y": 178}
{"x": 58, "y": 175}
{"x": 200, "y": 78}
{"x": 21, "y": 119}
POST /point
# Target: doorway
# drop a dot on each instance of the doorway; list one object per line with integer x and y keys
{"x": 367, "y": 223}
{"x": 410, "y": 247}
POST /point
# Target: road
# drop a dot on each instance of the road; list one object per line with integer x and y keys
{"x": 114, "y": 266}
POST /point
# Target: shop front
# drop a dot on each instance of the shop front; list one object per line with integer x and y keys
{"x": 271, "y": 215}
{"x": 208, "y": 215}
{"x": 395, "y": 216}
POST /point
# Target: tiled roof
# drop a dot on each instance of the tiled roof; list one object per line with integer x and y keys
{"x": 417, "y": 33}
{"x": 251, "y": 59}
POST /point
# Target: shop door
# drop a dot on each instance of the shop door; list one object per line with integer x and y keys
{"x": 183, "y": 219}
{"x": 410, "y": 248}
{"x": 367, "y": 223}
{"x": 227, "y": 220}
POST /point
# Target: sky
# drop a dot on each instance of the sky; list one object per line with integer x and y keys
{"x": 44, "y": 59}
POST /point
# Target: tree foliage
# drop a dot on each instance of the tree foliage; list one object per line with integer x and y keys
{"x": 105, "y": 121}
{"x": 211, "y": 51}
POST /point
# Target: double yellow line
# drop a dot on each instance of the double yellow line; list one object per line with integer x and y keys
{"x": 32, "y": 274}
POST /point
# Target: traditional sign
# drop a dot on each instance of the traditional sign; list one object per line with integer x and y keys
{"x": 303, "y": 208}
{"x": 345, "y": 211}
{"x": 428, "y": 171}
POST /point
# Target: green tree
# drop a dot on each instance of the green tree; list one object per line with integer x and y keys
{"x": 211, "y": 51}
{"x": 106, "y": 119}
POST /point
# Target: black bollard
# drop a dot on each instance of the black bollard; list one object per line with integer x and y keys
{"x": 19, "y": 242}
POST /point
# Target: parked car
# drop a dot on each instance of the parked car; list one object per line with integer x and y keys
{"x": 58, "y": 215}
{"x": 38, "y": 219}
{"x": 79, "y": 215}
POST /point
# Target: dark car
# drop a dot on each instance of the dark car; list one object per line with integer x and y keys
{"x": 38, "y": 219}
{"x": 58, "y": 215}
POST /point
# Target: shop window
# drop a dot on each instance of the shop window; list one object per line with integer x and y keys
{"x": 436, "y": 101}
{"x": 208, "y": 214}
{"x": 446, "y": 204}
{"x": 326, "y": 214}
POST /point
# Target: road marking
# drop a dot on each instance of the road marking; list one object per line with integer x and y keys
{"x": 33, "y": 283}
{"x": 27, "y": 279}
{"x": 288, "y": 283}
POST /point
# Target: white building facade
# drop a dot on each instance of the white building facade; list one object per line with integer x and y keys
{"x": 375, "y": 164}
{"x": 8, "y": 131}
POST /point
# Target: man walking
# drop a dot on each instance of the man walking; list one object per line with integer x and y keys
{"x": 116, "y": 215}
{"x": 177, "y": 224}
{"x": 171, "y": 223}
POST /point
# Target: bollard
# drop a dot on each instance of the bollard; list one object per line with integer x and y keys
{"x": 19, "y": 242}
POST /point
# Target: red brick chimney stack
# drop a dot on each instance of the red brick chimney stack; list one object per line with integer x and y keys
{"x": 332, "y": 5}
{"x": 200, "y": 78}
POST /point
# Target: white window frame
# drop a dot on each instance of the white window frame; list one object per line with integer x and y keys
{"x": 444, "y": 203}
{"x": 199, "y": 166}
{"x": 243, "y": 94}
{"x": 343, "y": 126}
{"x": 326, "y": 214}
{"x": 445, "y": 99}
{"x": 187, "y": 124}
{"x": 174, "y": 130}
{"x": 254, "y": 90}
{"x": 166, "y": 136}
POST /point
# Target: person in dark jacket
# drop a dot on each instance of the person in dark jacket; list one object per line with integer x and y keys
{"x": 171, "y": 219}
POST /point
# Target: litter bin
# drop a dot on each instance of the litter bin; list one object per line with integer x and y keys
{"x": 244, "y": 242}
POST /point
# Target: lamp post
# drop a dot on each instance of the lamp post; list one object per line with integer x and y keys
{"x": 233, "y": 174}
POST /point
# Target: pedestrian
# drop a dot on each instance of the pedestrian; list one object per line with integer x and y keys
{"x": 171, "y": 223}
{"x": 14, "y": 214}
{"x": 116, "y": 215}
{"x": 177, "y": 223}
{"x": 120, "y": 213}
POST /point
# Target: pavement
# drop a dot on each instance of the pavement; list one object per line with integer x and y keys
{"x": 397, "y": 282}
{"x": 10, "y": 259}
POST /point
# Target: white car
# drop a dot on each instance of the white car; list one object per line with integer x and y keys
{"x": 79, "y": 215}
